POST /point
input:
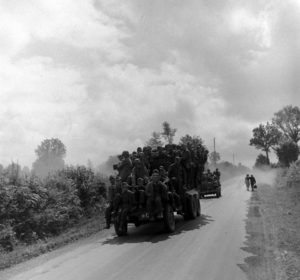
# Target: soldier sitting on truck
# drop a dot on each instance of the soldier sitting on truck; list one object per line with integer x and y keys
{"x": 156, "y": 192}
{"x": 209, "y": 176}
{"x": 140, "y": 194}
{"x": 163, "y": 175}
{"x": 124, "y": 167}
{"x": 139, "y": 171}
{"x": 217, "y": 173}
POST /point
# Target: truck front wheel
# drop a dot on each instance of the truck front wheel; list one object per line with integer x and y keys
{"x": 169, "y": 219}
{"x": 120, "y": 223}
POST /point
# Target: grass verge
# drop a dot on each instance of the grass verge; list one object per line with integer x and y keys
{"x": 273, "y": 237}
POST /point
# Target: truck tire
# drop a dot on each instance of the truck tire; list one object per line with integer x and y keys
{"x": 192, "y": 208}
{"x": 198, "y": 208}
{"x": 120, "y": 223}
{"x": 169, "y": 219}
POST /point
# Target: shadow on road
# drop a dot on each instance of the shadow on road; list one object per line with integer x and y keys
{"x": 154, "y": 232}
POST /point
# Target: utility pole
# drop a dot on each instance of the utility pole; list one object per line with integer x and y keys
{"x": 214, "y": 144}
{"x": 233, "y": 158}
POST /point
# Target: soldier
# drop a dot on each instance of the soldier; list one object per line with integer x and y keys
{"x": 140, "y": 193}
{"x": 139, "y": 171}
{"x": 156, "y": 192}
{"x": 111, "y": 196}
{"x": 125, "y": 166}
{"x": 163, "y": 175}
{"x": 127, "y": 201}
{"x": 175, "y": 173}
{"x": 217, "y": 173}
{"x": 209, "y": 175}
{"x": 247, "y": 181}
{"x": 127, "y": 197}
{"x": 186, "y": 163}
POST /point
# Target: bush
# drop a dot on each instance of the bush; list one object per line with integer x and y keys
{"x": 36, "y": 209}
{"x": 287, "y": 153}
{"x": 293, "y": 174}
{"x": 7, "y": 237}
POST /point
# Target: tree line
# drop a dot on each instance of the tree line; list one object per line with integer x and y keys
{"x": 281, "y": 135}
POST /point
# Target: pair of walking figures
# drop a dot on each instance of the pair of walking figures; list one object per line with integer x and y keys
{"x": 250, "y": 182}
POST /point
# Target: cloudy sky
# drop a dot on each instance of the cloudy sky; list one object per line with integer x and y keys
{"x": 102, "y": 75}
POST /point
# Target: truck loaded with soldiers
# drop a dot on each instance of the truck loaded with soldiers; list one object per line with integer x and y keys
{"x": 154, "y": 183}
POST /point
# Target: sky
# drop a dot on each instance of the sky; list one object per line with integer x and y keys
{"x": 102, "y": 75}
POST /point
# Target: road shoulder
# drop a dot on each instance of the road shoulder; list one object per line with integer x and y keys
{"x": 273, "y": 238}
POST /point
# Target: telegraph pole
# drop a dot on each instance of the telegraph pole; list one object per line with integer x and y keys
{"x": 214, "y": 144}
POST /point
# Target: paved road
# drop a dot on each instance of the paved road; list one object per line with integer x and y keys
{"x": 207, "y": 248}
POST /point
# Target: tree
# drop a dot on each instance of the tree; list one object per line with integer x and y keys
{"x": 90, "y": 165}
{"x": 214, "y": 157}
{"x": 155, "y": 140}
{"x": 50, "y": 156}
{"x": 287, "y": 152}
{"x": 261, "y": 161}
{"x": 13, "y": 173}
{"x": 265, "y": 137}
{"x": 287, "y": 121}
{"x": 168, "y": 132}
{"x": 191, "y": 140}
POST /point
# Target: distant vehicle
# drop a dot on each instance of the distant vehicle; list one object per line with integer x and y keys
{"x": 210, "y": 186}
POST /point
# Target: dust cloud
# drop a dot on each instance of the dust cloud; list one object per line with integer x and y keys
{"x": 265, "y": 176}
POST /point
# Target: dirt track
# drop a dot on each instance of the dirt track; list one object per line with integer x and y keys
{"x": 206, "y": 248}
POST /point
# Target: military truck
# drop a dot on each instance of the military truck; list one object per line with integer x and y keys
{"x": 209, "y": 187}
{"x": 183, "y": 199}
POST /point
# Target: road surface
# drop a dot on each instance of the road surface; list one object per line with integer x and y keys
{"x": 207, "y": 248}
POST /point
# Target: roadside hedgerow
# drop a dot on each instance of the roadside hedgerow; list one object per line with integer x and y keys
{"x": 35, "y": 209}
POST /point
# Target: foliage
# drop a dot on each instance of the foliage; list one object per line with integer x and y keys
{"x": 261, "y": 161}
{"x": 265, "y": 137}
{"x": 287, "y": 152}
{"x": 50, "y": 154}
{"x": 287, "y": 121}
{"x": 13, "y": 173}
{"x": 90, "y": 188}
{"x": 155, "y": 140}
{"x": 7, "y": 237}
{"x": 293, "y": 174}
{"x": 191, "y": 140}
{"x": 168, "y": 132}
{"x": 39, "y": 208}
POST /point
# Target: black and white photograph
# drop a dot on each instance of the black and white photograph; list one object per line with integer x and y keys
{"x": 149, "y": 140}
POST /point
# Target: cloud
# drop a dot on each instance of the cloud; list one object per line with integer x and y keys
{"x": 102, "y": 75}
